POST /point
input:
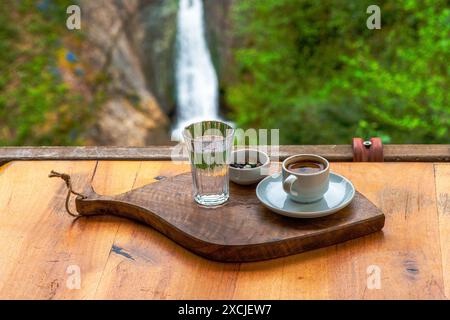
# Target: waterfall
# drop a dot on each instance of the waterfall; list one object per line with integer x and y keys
{"x": 196, "y": 79}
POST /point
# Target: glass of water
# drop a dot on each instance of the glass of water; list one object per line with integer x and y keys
{"x": 209, "y": 145}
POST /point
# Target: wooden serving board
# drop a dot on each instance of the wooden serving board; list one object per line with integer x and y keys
{"x": 239, "y": 231}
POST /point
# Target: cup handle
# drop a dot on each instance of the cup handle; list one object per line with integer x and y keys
{"x": 287, "y": 185}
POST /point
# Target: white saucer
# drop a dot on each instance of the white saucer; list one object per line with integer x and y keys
{"x": 340, "y": 193}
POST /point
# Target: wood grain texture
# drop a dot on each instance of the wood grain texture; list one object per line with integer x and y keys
{"x": 408, "y": 254}
{"x": 120, "y": 259}
{"x": 442, "y": 174}
{"x": 38, "y": 243}
{"x": 392, "y": 152}
{"x": 148, "y": 265}
{"x": 241, "y": 230}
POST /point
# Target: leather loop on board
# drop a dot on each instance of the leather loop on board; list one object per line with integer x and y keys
{"x": 367, "y": 151}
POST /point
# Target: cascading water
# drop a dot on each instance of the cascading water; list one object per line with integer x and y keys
{"x": 196, "y": 79}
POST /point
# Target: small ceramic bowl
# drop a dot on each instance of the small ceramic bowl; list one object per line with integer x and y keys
{"x": 247, "y": 176}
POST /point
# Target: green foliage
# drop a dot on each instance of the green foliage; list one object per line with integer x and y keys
{"x": 36, "y": 106}
{"x": 314, "y": 70}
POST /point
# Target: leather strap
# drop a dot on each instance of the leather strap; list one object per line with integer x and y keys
{"x": 368, "y": 151}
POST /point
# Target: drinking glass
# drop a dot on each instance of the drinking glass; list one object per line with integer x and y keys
{"x": 209, "y": 145}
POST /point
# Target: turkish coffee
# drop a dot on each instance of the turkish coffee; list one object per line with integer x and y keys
{"x": 306, "y": 166}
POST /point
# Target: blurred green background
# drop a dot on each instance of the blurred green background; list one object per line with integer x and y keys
{"x": 37, "y": 107}
{"x": 311, "y": 68}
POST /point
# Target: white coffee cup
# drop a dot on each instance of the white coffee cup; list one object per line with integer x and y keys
{"x": 305, "y": 186}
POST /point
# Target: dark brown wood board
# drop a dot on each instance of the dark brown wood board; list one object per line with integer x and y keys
{"x": 241, "y": 230}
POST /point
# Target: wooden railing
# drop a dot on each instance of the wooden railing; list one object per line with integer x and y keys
{"x": 343, "y": 153}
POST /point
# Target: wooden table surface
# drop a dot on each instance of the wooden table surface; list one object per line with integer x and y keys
{"x": 120, "y": 259}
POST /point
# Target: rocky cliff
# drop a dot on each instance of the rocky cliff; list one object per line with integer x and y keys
{"x": 131, "y": 42}
{"x": 218, "y": 33}
{"x": 219, "y": 36}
